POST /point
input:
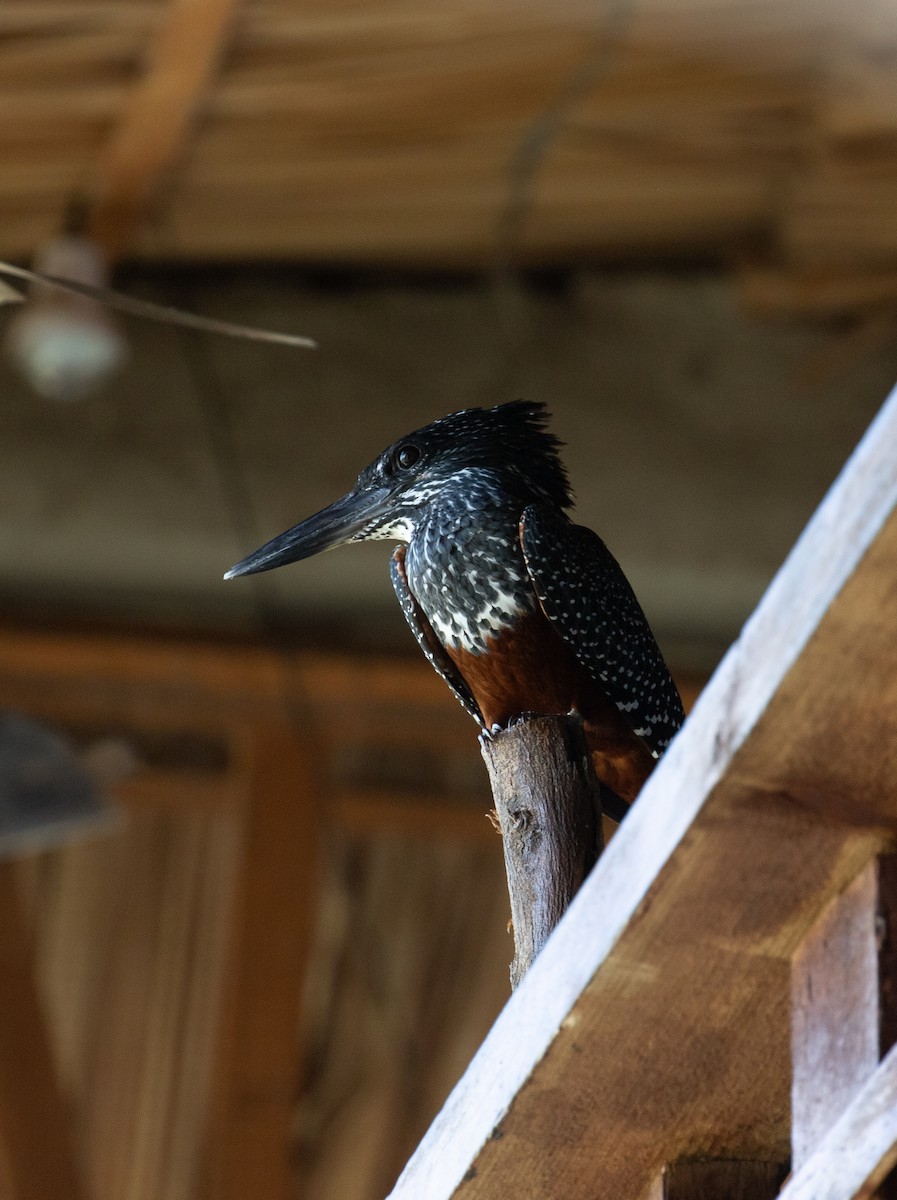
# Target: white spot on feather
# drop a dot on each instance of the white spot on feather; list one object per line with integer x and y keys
{"x": 399, "y": 529}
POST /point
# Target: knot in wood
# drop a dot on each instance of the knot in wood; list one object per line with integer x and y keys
{"x": 547, "y": 799}
{"x": 524, "y": 823}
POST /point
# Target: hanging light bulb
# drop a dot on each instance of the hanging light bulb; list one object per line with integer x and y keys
{"x": 65, "y": 345}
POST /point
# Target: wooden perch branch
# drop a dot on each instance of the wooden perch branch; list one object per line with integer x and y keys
{"x": 547, "y": 801}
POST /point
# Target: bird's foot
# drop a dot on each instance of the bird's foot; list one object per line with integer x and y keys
{"x": 522, "y": 718}
{"x": 487, "y": 735}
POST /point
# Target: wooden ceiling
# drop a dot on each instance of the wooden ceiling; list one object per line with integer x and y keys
{"x": 414, "y": 135}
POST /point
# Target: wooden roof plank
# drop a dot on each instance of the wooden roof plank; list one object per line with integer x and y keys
{"x": 728, "y": 92}
{"x": 636, "y": 1039}
{"x": 151, "y": 132}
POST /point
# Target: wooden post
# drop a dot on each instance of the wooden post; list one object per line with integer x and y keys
{"x": 718, "y": 1179}
{"x": 252, "y": 1114}
{"x": 844, "y": 1006}
{"x": 547, "y": 800}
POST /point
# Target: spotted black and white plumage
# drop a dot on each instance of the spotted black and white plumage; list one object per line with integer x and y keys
{"x": 463, "y": 562}
{"x": 588, "y": 599}
{"x": 434, "y": 652}
{"x": 513, "y": 605}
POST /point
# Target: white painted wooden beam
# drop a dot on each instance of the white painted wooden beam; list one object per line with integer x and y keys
{"x": 860, "y": 1149}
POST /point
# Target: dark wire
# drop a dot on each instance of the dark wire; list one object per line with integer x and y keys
{"x": 600, "y": 61}
{"x": 122, "y": 302}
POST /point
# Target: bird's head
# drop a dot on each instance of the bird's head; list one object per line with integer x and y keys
{"x": 395, "y": 491}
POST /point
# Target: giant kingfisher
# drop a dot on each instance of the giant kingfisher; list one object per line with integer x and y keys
{"x": 518, "y": 609}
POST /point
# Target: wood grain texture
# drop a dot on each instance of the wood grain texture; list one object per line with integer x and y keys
{"x": 843, "y": 1014}
{"x": 886, "y": 942}
{"x": 718, "y": 1179}
{"x": 655, "y": 1023}
{"x": 835, "y": 1013}
{"x": 547, "y": 800}
{"x": 860, "y": 1149}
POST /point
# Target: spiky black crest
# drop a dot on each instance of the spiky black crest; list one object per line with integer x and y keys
{"x": 511, "y": 438}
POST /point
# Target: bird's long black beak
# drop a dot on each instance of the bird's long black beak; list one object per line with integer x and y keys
{"x": 332, "y": 526}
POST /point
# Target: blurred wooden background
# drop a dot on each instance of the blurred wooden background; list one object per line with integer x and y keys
{"x": 391, "y": 132}
{"x": 672, "y": 220}
{"x": 273, "y": 972}
{"x": 271, "y": 975}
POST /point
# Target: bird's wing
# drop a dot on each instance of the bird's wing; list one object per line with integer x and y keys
{"x": 586, "y": 596}
{"x": 426, "y": 638}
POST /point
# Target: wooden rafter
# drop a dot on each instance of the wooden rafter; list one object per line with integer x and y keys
{"x": 256, "y": 1070}
{"x": 156, "y": 117}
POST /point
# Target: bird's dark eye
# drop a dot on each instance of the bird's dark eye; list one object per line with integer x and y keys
{"x": 407, "y": 456}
